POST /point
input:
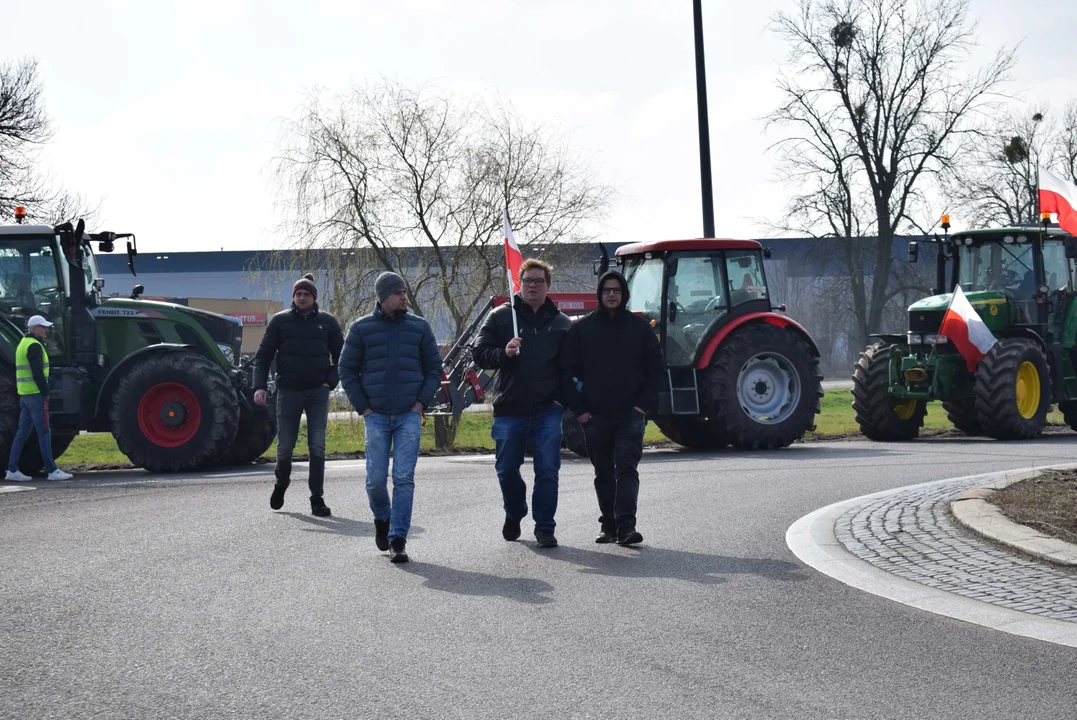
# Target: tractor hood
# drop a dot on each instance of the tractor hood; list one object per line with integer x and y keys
{"x": 226, "y": 331}
{"x": 994, "y": 307}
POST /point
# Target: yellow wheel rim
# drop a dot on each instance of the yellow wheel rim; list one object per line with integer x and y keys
{"x": 1028, "y": 390}
{"x": 906, "y": 409}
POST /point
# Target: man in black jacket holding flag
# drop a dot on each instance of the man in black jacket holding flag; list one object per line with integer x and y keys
{"x": 526, "y": 406}
{"x": 612, "y": 365}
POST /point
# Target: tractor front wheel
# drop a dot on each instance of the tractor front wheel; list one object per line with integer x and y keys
{"x": 962, "y": 413}
{"x": 882, "y": 416}
{"x": 1013, "y": 390}
{"x": 764, "y": 387}
{"x": 174, "y": 411}
{"x": 256, "y": 433}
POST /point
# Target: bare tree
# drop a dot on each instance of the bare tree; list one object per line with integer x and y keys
{"x": 24, "y": 128}
{"x": 1065, "y": 157}
{"x": 877, "y": 107}
{"x": 412, "y": 181}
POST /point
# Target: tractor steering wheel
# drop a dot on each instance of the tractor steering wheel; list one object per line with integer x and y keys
{"x": 714, "y": 304}
{"x": 1006, "y": 278}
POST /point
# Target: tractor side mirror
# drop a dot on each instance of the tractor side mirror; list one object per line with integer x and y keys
{"x": 136, "y": 291}
{"x": 767, "y": 253}
{"x": 671, "y": 266}
{"x": 914, "y": 251}
{"x": 99, "y": 283}
{"x": 1070, "y": 244}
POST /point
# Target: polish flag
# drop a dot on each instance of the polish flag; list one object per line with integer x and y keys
{"x": 1059, "y": 197}
{"x": 966, "y": 330}
{"x": 513, "y": 257}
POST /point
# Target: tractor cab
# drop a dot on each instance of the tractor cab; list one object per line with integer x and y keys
{"x": 688, "y": 288}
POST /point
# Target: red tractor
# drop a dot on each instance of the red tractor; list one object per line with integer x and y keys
{"x": 737, "y": 370}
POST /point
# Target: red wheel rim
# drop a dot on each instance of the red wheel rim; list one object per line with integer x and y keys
{"x": 169, "y": 414}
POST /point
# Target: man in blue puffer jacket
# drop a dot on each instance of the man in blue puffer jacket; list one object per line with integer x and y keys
{"x": 390, "y": 368}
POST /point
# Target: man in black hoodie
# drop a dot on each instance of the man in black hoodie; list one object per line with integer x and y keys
{"x": 306, "y": 344}
{"x": 612, "y": 365}
{"x": 526, "y": 406}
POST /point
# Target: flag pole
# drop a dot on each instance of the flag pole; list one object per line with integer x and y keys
{"x": 512, "y": 304}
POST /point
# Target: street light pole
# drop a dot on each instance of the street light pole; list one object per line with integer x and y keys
{"x": 704, "y": 131}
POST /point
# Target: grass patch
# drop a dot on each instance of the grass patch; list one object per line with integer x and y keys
{"x": 345, "y": 437}
{"x": 1047, "y": 503}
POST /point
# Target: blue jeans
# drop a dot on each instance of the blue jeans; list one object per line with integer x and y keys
{"x": 511, "y": 435}
{"x": 33, "y": 415}
{"x": 396, "y": 435}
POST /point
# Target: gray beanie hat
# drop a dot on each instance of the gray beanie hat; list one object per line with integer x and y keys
{"x": 387, "y": 284}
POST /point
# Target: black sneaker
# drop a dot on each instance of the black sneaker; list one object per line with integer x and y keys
{"x": 511, "y": 529}
{"x": 276, "y": 500}
{"x": 319, "y": 508}
{"x": 381, "y": 534}
{"x": 608, "y": 535}
{"x": 627, "y": 535}
{"x": 545, "y": 539}
{"x": 396, "y": 551}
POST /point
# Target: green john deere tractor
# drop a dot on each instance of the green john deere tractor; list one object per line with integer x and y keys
{"x": 1020, "y": 282}
{"x": 162, "y": 378}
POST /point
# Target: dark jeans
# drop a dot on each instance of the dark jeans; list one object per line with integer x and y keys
{"x": 511, "y": 434}
{"x": 615, "y": 446}
{"x": 291, "y": 404}
{"x": 33, "y": 415}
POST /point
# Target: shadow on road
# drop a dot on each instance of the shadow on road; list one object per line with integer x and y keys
{"x": 337, "y": 525}
{"x": 651, "y": 562}
{"x": 461, "y": 582}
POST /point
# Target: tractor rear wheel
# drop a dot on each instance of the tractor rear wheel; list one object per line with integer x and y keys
{"x": 1013, "y": 390}
{"x": 692, "y": 431}
{"x": 174, "y": 411}
{"x": 962, "y": 413}
{"x": 764, "y": 387}
{"x": 882, "y": 416}
{"x": 30, "y": 461}
{"x": 256, "y": 433}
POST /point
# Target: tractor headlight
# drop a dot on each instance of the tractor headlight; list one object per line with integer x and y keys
{"x": 915, "y": 339}
{"x": 229, "y": 353}
{"x": 936, "y": 339}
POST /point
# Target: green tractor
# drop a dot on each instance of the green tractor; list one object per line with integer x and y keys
{"x": 162, "y": 378}
{"x": 1020, "y": 282}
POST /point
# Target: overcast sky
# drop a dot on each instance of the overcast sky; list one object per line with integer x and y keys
{"x": 168, "y": 112}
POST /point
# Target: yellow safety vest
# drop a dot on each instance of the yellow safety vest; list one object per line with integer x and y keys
{"x": 24, "y": 377}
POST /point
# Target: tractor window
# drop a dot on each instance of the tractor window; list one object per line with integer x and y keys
{"x": 1055, "y": 266}
{"x": 696, "y": 302}
{"x": 29, "y": 284}
{"x": 645, "y": 286}
{"x": 1004, "y": 267}
{"x": 746, "y": 280}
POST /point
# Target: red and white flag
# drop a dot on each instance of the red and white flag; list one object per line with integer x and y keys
{"x": 513, "y": 257}
{"x": 966, "y": 330}
{"x": 1059, "y": 197}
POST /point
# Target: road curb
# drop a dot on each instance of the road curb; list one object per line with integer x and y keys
{"x": 972, "y": 510}
{"x": 811, "y": 539}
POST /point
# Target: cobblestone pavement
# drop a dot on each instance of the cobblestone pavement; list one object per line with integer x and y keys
{"x": 912, "y": 535}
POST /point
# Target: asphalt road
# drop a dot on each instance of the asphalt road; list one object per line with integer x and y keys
{"x": 134, "y": 596}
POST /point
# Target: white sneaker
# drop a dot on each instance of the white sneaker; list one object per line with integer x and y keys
{"x": 59, "y": 474}
{"x": 16, "y": 476}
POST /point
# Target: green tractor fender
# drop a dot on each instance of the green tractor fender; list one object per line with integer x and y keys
{"x": 112, "y": 380}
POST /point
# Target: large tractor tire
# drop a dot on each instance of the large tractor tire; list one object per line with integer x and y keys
{"x": 572, "y": 434}
{"x": 692, "y": 431}
{"x": 1013, "y": 390}
{"x": 1068, "y": 408}
{"x": 882, "y": 416}
{"x": 174, "y": 411}
{"x": 30, "y": 461}
{"x": 962, "y": 413}
{"x": 257, "y": 430}
{"x": 764, "y": 387}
